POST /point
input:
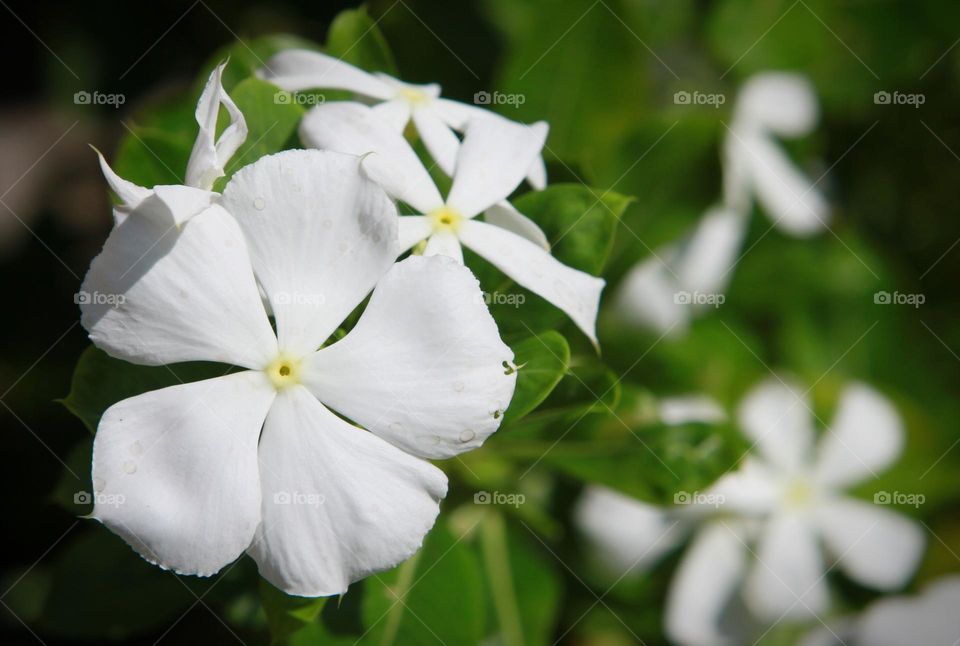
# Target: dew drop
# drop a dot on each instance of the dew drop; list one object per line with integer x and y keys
{"x": 395, "y": 427}
{"x": 328, "y": 224}
{"x": 136, "y": 448}
{"x": 467, "y": 435}
{"x": 130, "y": 467}
{"x": 258, "y": 203}
{"x": 98, "y": 484}
{"x": 458, "y": 386}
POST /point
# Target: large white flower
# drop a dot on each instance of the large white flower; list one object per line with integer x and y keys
{"x": 174, "y": 204}
{"x": 257, "y": 460}
{"x": 667, "y": 290}
{"x": 398, "y": 103}
{"x": 930, "y": 618}
{"x": 760, "y": 528}
{"x": 489, "y": 165}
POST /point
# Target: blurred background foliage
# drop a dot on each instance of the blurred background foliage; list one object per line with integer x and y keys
{"x": 603, "y": 73}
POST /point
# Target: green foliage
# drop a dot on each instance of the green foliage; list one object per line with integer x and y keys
{"x": 542, "y": 361}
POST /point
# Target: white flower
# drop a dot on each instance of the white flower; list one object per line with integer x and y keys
{"x": 489, "y": 165}
{"x": 398, "y": 103}
{"x": 754, "y": 167}
{"x": 761, "y": 527}
{"x": 175, "y": 203}
{"x": 256, "y": 460}
{"x": 930, "y": 618}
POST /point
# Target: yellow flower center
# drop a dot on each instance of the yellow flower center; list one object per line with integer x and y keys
{"x": 798, "y": 493}
{"x": 412, "y": 95}
{"x": 446, "y": 219}
{"x": 283, "y": 371}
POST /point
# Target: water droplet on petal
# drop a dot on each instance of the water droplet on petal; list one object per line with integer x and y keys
{"x": 458, "y": 386}
{"x": 136, "y": 448}
{"x": 467, "y": 435}
{"x": 98, "y": 484}
{"x": 258, "y": 203}
{"x": 328, "y": 224}
{"x": 395, "y": 427}
{"x": 130, "y": 467}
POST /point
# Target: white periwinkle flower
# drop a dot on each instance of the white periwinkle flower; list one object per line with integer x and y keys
{"x": 930, "y": 618}
{"x": 490, "y": 164}
{"x": 761, "y": 527}
{"x": 665, "y": 291}
{"x": 174, "y": 204}
{"x": 398, "y": 103}
{"x": 257, "y": 460}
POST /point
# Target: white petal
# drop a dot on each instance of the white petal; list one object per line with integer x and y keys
{"x": 129, "y": 193}
{"x": 686, "y": 409}
{"x": 301, "y": 69}
{"x": 395, "y": 112}
{"x": 338, "y": 503}
{"x": 210, "y": 154}
{"x": 320, "y": 235}
{"x": 877, "y": 547}
{"x": 505, "y": 216}
{"x": 156, "y": 295}
{"x": 537, "y": 174}
{"x": 444, "y": 243}
{"x": 628, "y": 535}
{"x": 865, "y": 438}
{"x": 783, "y": 103}
{"x": 175, "y": 471}
{"x": 175, "y": 204}
{"x": 777, "y": 417}
{"x": 411, "y": 230}
{"x": 752, "y": 490}
{"x": 787, "y": 195}
{"x": 456, "y": 114}
{"x": 705, "y": 262}
{"x": 648, "y": 296}
{"x": 575, "y": 292}
{"x": 354, "y": 128}
{"x": 704, "y": 583}
{"x": 930, "y": 619}
{"x": 424, "y": 368}
{"x": 787, "y": 581}
{"x": 493, "y": 160}
{"x": 437, "y": 136}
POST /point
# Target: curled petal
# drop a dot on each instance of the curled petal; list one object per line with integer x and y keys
{"x": 210, "y": 154}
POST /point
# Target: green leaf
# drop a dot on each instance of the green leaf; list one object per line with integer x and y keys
{"x": 354, "y": 37}
{"x": 99, "y": 381}
{"x": 288, "y": 615}
{"x": 524, "y": 586}
{"x": 441, "y": 585}
{"x": 272, "y": 118}
{"x": 542, "y": 360}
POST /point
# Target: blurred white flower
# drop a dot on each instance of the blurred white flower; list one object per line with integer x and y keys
{"x": 489, "y": 165}
{"x": 435, "y": 118}
{"x": 210, "y": 469}
{"x": 755, "y": 167}
{"x": 930, "y": 618}
{"x": 759, "y": 529}
{"x": 174, "y": 204}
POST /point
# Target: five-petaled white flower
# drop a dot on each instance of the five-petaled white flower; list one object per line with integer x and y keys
{"x": 489, "y": 165}
{"x": 786, "y": 503}
{"x": 177, "y": 203}
{"x": 755, "y": 167}
{"x": 398, "y": 103}
{"x": 257, "y": 460}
